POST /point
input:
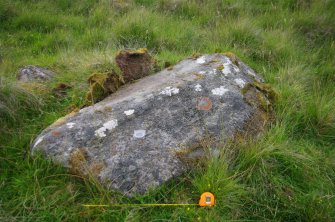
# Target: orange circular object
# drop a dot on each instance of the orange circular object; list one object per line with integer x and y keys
{"x": 207, "y": 199}
{"x": 204, "y": 103}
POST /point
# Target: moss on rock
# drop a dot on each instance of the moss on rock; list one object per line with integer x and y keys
{"x": 261, "y": 97}
{"x": 232, "y": 57}
{"x": 102, "y": 85}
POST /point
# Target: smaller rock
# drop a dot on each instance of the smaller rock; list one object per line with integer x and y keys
{"x": 34, "y": 73}
{"x": 134, "y": 64}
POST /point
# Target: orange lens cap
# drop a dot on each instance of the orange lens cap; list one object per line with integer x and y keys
{"x": 207, "y": 200}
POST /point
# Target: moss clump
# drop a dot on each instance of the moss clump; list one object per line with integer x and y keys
{"x": 234, "y": 59}
{"x": 102, "y": 85}
{"x": 195, "y": 55}
{"x": 220, "y": 67}
{"x": 129, "y": 65}
{"x": 269, "y": 92}
{"x": 167, "y": 64}
{"x": 78, "y": 161}
{"x": 261, "y": 97}
{"x": 80, "y": 164}
{"x": 199, "y": 76}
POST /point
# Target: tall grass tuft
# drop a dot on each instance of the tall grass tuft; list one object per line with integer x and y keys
{"x": 15, "y": 101}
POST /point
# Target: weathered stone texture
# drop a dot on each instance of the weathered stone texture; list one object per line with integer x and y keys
{"x": 130, "y": 140}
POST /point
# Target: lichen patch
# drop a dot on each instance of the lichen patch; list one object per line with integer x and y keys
{"x": 111, "y": 124}
{"x": 219, "y": 91}
{"x": 250, "y": 73}
{"x": 129, "y": 112}
{"x": 70, "y": 125}
{"x": 201, "y": 60}
{"x": 226, "y": 70}
{"x": 139, "y": 133}
{"x": 198, "y": 88}
{"x": 236, "y": 68}
{"x": 169, "y": 91}
{"x": 240, "y": 82}
{"x": 204, "y": 103}
{"x": 101, "y": 132}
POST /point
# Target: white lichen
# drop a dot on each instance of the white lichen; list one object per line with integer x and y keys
{"x": 226, "y": 70}
{"x": 70, "y": 125}
{"x": 240, "y": 82}
{"x": 201, "y": 60}
{"x": 129, "y": 112}
{"x": 110, "y": 124}
{"x": 38, "y": 141}
{"x": 236, "y": 68}
{"x": 101, "y": 132}
{"x": 219, "y": 91}
{"x": 169, "y": 91}
{"x": 139, "y": 133}
{"x": 202, "y": 72}
{"x": 198, "y": 88}
{"x": 251, "y": 73}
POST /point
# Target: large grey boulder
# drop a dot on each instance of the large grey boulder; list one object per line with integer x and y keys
{"x": 140, "y": 136}
{"x": 34, "y": 73}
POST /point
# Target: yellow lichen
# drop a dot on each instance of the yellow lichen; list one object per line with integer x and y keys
{"x": 213, "y": 61}
{"x": 220, "y": 67}
{"x": 138, "y": 51}
{"x": 199, "y": 76}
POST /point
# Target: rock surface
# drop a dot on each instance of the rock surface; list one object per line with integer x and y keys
{"x": 34, "y": 73}
{"x": 133, "y": 140}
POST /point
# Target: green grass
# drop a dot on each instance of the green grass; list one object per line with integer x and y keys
{"x": 287, "y": 175}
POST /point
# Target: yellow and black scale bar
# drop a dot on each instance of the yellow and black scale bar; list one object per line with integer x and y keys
{"x": 137, "y": 205}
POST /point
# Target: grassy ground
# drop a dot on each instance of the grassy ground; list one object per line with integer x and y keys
{"x": 288, "y": 175}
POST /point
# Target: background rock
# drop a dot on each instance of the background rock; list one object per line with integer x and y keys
{"x": 34, "y": 73}
{"x": 134, "y": 64}
{"x": 140, "y": 136}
